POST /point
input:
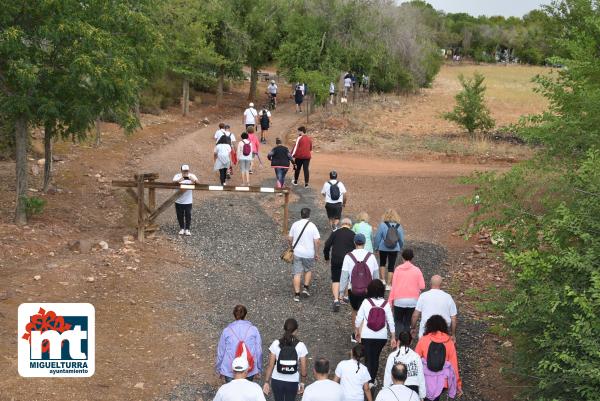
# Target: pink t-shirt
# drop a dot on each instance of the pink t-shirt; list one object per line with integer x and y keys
{"x": 254, "y": 141}
{"x": 407, "y": 282}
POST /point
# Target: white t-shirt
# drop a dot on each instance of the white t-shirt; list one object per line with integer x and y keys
{"x": 352, "y": 381}
{"x": 186, "y": 197}
{"x": 348, "y": 82}
{"x": 414, "y": 369}
{"x": 327, "y": 191}
{"x": 272, "y": 89}
{"x": 360, "y": 254}
{"x": 300, "y": 350}
{"x": 397, "y": 392}
{"x": 331, "y": 87}
{"x": 363, "y": 314}
{"x": 240, "y": 150}
{"x": 435, "y": 302}
{"x": 323, "y": 390}
{"x": 240, "y": 390}
{"x": 250, "y": 115}
{"x": 223, "y": 152}
{"x": 306, "y": 245}
{"x": 260, "y": 113}
{"x": 218, "y": 134}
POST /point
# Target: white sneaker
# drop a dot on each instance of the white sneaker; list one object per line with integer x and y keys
{"x": 388, "y": 287}
{"x": 181, "y": 232}
{"x": 188, "y": 233}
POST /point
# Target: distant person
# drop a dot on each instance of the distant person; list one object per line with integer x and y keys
{"x": 407, "y": 284}
{"x": 302, "y": 154}
{"x": 331, "y": 92}
{"x": 339, "y": 244}
{"x": 398, "y": 391}
{"x": 435, "y": 302}
{"x": 239, "y": 389}
{"x": 280, "y": 158}
{"x": 222, "y": 158}
{"x": 304, "y": 239}
{"x": 336, "y": 197}
{"x": 255, "y": 148}
{"x": 287, "y": 367}
{"x": 373, "y": 322}
{"x": 249, "y": 117}
{"x": 322, "y": 388}
{"x": 230, "y": 139}
{"x": 244, "y": 155}
{"x": 239, "y": 338}
{"x": 358, "y": 270}
{"x": 264, "y": 117}
{"x": 183, "y": 204}
{"x": 363, "y": 227}
{"x": 272, "y": 91}
{"x": 347, "y": 84}
{"x": 298, "y": 97}
{"x": 219, "y": 132}
{"x": 415, "y": 379}
{"x": 389, "y": 240}
{"x": 354, "y": 377}
{"x": 440, "y": 360}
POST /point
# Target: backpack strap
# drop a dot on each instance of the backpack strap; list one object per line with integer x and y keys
{"x": 353, "y": 257}
{"x": 367, "y": 257}
{"x": 300, "y": 236}
{"x": 371, "y": 302}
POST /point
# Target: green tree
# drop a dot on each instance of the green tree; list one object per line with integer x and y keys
{"x": 470, "y": 111}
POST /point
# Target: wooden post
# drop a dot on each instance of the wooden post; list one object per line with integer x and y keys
{"x": 141, "y": 210}
{"x": 286, "y": 201}
{"x": 151, "y": 197}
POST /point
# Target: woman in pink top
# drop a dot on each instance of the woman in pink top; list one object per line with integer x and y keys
{"x": 407, "y": 285}
{"x": 255, "y": 145}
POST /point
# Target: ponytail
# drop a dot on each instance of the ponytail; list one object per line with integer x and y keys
{"x": 358, "y": 353}
{"x": 289, "y": 327}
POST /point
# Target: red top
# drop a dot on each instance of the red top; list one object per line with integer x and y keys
{"x": 303, "y": 147}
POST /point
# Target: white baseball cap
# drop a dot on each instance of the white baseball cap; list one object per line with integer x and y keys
{"x": 251, "y": 105}
{"x": 185, "y": 167}
{"x": 240, "y": 364}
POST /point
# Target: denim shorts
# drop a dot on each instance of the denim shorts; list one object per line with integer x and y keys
{"x": 302, "y": 265}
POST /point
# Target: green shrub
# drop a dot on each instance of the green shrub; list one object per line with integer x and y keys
{"x": 34, "y": 205}
{"x": 470, "y": 111}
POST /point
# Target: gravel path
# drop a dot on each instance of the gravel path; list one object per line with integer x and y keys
{"x": 237, "y": 247}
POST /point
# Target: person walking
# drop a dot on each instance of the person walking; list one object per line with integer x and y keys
{"x": 435, "y": 302}
{"x": 415, "y": 380}
{"x": 255, "y": 148}
{"x": 298, "y": 97}
{"x": 439, "y": 374}
{"x": 407, "y": 284}
{"x": 286, "y": 369}
{"x": 322, "y": 389}
{"x": 272, "y": 91}
{"x": 219, "y": 132}
{"x": 347, "y": 84}
{"x": 183, "y": 204}
{"x": 230, "y": 139}
{"x": 398, "y": 390}
{"x": 354, "y": 377}
{"x": 363, "y": 227}
{"x": 264, "y": 117}
{"x": 331, "y": 92}
{"x": 222, "y": 158}
{"x": 280, "y": 158}
{"x": 373, "y": 322}
{"x": 239, "y": 336}
{"x": 249, "y": 117}
{"x": 389, "y": 240}
{"x": 239, "y": 389}
{"x": 244, "y": 155}
{"x": 359, "y": 268}
{"x": 302, "y": 154}
{"x": 336, "y": 197}
{"x": 304, "y": 239}
{"x": 339, "y": 244}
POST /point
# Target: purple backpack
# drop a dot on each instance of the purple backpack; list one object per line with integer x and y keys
{"x": 361, "y": 275}
{"x": 376, "y": 318}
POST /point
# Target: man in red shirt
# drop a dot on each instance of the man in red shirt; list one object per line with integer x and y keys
{"x": 302, "y": 153}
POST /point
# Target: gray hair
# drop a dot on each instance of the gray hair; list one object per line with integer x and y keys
{"x": 346, "y": 222}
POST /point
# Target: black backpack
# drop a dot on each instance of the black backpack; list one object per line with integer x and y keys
{"x": 391, "y": 237}
{"x": 227, "y": 138}
{"x": 287, "y": 363}
{"x": 436, "y": 356}
{"x": 334, "y": 191}
{"x": 264, "y": 119}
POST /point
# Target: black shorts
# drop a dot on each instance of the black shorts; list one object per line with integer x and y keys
{"x": 249, "y": 125}
{"x": 336, "y": 274}
{"x": 273, "y": 94}
{"x": 334, "y": 210}
{"x": 356, "y": 300}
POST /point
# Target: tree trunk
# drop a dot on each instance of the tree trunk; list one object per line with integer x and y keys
{"x": 185, "y": 103}
{"x": 21, "y": 136}
{"x": 138, "y": 115}
{"x": 253, "y": 83}
{"x": 220, "y": 84}
{"x": 48, "y": 134}
{"x": 98, "y": 133}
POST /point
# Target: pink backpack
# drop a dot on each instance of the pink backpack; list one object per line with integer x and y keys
{"x": 361, "y": 275}
{"x": 376, "y": 319}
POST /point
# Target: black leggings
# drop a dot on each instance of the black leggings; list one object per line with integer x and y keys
{"x": 302, "y": 164}
{"x": 402, "y": 317}
{"x": 284, "y": 391}
{"x": 184, "y": 215}
{"x": 223, "y": 175}
{"x": 390, "y": 258}
{"x": 373, "y": 348}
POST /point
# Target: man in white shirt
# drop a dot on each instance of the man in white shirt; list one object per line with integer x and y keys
{"x": 272, "y": 91}
{"x": 183, "y": 205}
{"x": 240, "y": 389}
{"x": 250, "y": 115}
{"x": 323, "y": 389}
{"x": 435, "y": 302}
{"x": 397, "y": 391}
{"x": 347, "y": 84}
{"x": 304, "y": 239}
{"x": 335, "y": 199}
{"x": 220, "y": 132}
